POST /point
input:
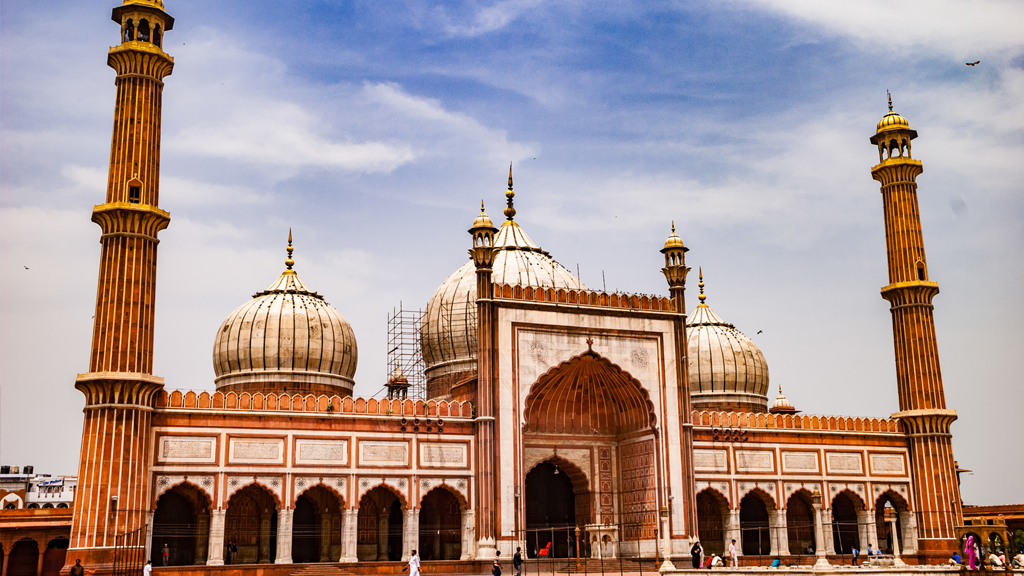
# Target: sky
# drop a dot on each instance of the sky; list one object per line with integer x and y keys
{"x": 373, "y": 130}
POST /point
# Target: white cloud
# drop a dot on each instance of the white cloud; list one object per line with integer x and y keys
{"x": 490, "y": 18}
{"x": 952, "y": 27}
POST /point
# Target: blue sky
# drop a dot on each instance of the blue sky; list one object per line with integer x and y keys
{"x": 374, "y": 129}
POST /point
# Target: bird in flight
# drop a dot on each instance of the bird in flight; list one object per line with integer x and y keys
{"x": 975, "y": 63}
{"x": 759, "y": 331}
{"x": 26, "y": 267}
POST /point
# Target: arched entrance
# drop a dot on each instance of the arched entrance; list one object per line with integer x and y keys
{"x": 845, "y": 533}
{"x": 316, "y": 526}
{"x": 440, "y": 526}
{"x": 182, "y": 522}
{"x": 55, "y": 556}
{"x": 251, "y": 525}
{"x": 887, "y": 500}
{"x": 24, "y": 558}
{"x": 379, "y": 534}
{"x": 711, "y": 511}
{"x": 800, "y": 523}
{"x": 589, "y": 395}
{"x": 754, "y": 531}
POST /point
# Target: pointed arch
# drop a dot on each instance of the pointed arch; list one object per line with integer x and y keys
{"x": 759, "y": 492}
{"x": 800, "y": 528}
{"x": 588, "y": 394}
{"x": 440, "y": 524}
{"x": 459, "y": 496}
{"x": 336, "y": 491}
{"x": 712, "y": 510}
{"x": 383, "y": 483}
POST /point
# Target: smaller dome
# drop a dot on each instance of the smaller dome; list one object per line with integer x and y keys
{"x": 782, "y": 405}
{"x": 892, "y": 120}
{"x": 674, "y": 241}
{"x": 483, "y": 220}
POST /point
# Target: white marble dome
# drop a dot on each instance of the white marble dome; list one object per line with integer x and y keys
{"x": 286, "y": 337}
{"x": 727, "y": 370}
{"x": 448, "y": 334}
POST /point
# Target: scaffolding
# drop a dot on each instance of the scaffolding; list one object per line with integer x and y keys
{"x": 405, "y": 358}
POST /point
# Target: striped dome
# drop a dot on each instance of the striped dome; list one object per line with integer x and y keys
{"x": 727, "y": 370}
{"x": 286, "y": 337}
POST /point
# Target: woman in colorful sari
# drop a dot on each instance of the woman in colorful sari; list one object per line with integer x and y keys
{"x": 972, "y": 558}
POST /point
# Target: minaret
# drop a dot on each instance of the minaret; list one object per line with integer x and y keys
{"x": 923, "y": 412}
{"x": 675, "y": 271}
{"x": 483, "y": 253}
{"x": 112, "y": 497}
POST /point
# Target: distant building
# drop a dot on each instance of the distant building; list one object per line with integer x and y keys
{"x": 35, "y": 521}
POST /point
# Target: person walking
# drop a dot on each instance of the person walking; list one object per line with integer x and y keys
{"x": 414, "y": 564}
{"x": 856, "y": 553}
{"x": 166, "y": 554}
{"x": 517, "y": 561}
{"x": 496, "y": 569}
{"x": 733, "y": 561}
{"x": 79, "y": 570}
{"x": 696, "y": 552}
{"x": 147, "y": 570}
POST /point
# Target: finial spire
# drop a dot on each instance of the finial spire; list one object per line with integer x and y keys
{"x": 510, "y": 212}
{"x": 289, "y": 262}
{"x": 673, "y": 226}
{"x": 890, "y": 100}
{"x": 700, "y": 273}
{"x": 481, "y": 206}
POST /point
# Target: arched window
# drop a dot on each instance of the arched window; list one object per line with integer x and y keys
{"x": 129, "y": 31}
{"x": 920, "y": 271}
{"x": 134, "y": 191}
{"x": 156, "y": 35}
{"x": 10, "y": 506}
{"x": 143, "y": 30}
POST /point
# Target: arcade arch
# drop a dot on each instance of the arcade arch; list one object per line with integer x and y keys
{"x": 182, "y": 522}
{"x": 889, "y": 499}
{"x": 845, "y": 525}
{"x": 755, "y": 534}
{"x": 712, "y": 513}
{"x": 316, "y": 526}
{"x": 800, "y": 523}
{"x": 380, "y": 523}
{"x": 251, "y": 525}
{"x": 440, "y": 525}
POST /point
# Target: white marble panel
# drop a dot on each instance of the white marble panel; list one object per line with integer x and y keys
{"x": 887, "y": 464}
{"x": 755, "y": 461}
{"x": 710, "y": 460}
{"x": 444, "y": 454}
{"x": 844, "y": 462}
{"x": 325, "y": 452}
{"x": 376, "y": 453}
{"x": 256, "y": 451}
{"x": 187, "y": 449}
{"x": 799, "y": 461}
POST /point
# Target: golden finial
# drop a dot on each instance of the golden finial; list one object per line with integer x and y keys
{"x": 510, "y": 212}
{"x": 890, "y": 100}
{"x": 289, "y": 262}
{"x": 481, "y": 206}
{"x": 700, "y": 273}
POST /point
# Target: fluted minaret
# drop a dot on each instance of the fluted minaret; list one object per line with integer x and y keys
{"x": 923, "y": 411}
{"x": 112, "y": 497}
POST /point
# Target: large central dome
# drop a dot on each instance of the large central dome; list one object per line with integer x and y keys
{"x": 448, "y": 335}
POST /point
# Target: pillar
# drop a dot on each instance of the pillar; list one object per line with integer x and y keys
{"x": 7, "y": 557}
{"x": 867, "y": 530}
{"x": 264, "y": 542}
{"x": 468, "y": 535}
{"x": 202, "y": 538}
{"x": 149, "y": 534}
{"x": 325, "y": 536}
{"x": 215, "y": 557}
{"x": 666, "y": 540}
{"x": 826, "y": 525}
{"x": 349, "y": 534}
{"x": 410, "y": 532}
{"x": 909, "y": 522}
{"x": 382, "y": 537}
{"x": 284, "y": 536}
{"x": 41, "y": 546}
{"x": 819, "y": 533}
{"x": 732, "y": 530}
{"x": 778, "y": 527}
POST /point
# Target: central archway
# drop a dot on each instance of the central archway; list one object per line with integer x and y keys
{"x": 551, "y": 504}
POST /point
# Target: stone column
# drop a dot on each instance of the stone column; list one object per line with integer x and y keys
{"x": 7, "y": 556}
{"x": 779, "y": 532}
{"x": 826, "y": 526}
{"x": 382, "y": 536}
{"x": 284, "y": 536}
{"x": 819, "y": 533}
{"x": 909, "y": 522}
{"x": 216, "y": 543}
{"x": 349, "y": 535}
{"x": 264, "y": 542}
{"x": 202, "y": 539}
{"x": 42, "y": 553}
{"x": 410, "y": 532}
{"x": 325, "y": 536}
{"x": 867, "y": 530}
{"x": 732, "y": 530}
{"x": 468, "y": 535}
{"x": 667, "y": 565}
{"x": 149, "y": 536}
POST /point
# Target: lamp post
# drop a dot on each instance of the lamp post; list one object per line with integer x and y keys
{"x": 819, "y": 535}
{"x": 667, "y": 565}
{"x": 577, "y": 548}
{"x": 890, "y": 517}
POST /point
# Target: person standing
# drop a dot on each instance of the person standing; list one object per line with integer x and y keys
{"x": 166, "y": 554}
{"x": 496, "y": 569}
{"x": 147, "y": 570}
{"x": 414, "y": 564}
{"x": 856, "y": 553}
{"x": 733, "y": 561}
{"x": 517, "y": 562}
{"x": 79, "y": 570}
{"x": 696, "y": 552}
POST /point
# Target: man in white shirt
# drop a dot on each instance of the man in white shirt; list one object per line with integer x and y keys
{"x": 733, "y": 561}
{"x": 147, "y": 570}
{"x": 414, "y": 564}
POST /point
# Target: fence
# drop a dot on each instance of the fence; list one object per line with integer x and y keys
{"x": 130, "y": 553}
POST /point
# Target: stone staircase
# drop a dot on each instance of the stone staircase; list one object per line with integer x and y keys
{"x": 608, "y": 566}
{"x": 321, "y": 569}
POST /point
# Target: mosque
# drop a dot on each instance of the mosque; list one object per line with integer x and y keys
{"x": 557, "y": 418}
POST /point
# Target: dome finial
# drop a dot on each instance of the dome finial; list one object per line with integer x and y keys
{"x": 289, "y": 262}
{"x": 510, "y": 212}
{"x": 890, "y": 100}
{"x": 673, "y": 226}
{"x": 700, "y": 276}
